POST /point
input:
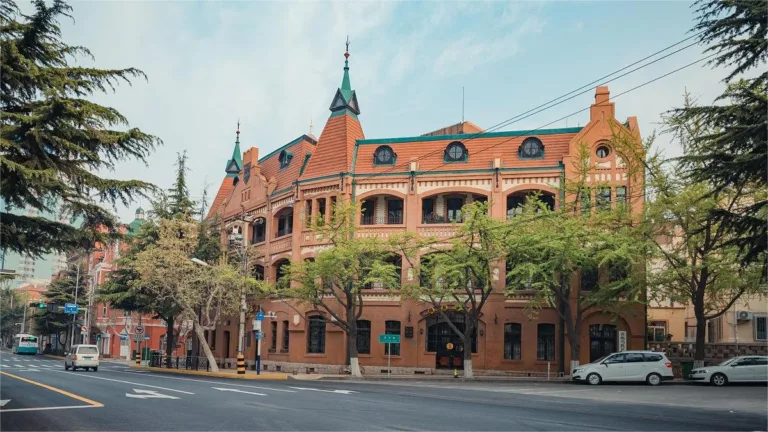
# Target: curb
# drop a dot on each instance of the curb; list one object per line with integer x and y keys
{"x": 265, "y": 377}
{"x": 510, "y": 381}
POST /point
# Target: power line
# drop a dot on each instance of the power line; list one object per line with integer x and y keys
{"x": 568, "y": 96}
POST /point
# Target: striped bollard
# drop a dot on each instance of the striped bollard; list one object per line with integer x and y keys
{"x": 240, "y": 364}
{"x": 138, "y": 358}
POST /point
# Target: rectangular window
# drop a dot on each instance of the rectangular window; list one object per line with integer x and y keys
{"x": 286, "y": 336}
{"x": 104, "y": 311}
{"x": 427, "y": 210}
{"x": 714, "y": 330}
{"x": 453, "y": 206}
{"x": 258, "y": 231}
{"x": 621, "y": 195}
{"x": 285, "y": 224}
{"x": 273, "y": 346}
{"x": 761, "y": 328}
{"x": 363, "y": 337}
{"x": 512, "y": 341}
{"x": 321, "y": 209}
{"x": 308, "y": 213}
{"x": 392, "y": 327}
{"x": 545, "y": 349}
{"x": 333, "y": 207}
{"x": 367, "y": 212}
{"x": 585, "y": 200}
{"x": 394, "y": 211}
{"x": 316, "y": 335}
{"x": 589, "y": 278}
{"x": 603, "y": 198}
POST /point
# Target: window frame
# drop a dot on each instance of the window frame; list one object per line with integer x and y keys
{"x": 363, "y": 339}
{"x": 756, "y": 326}
{"x": 601, "y": 147}
{"x": 545, "y": 347}
{"x": 273, "y": 333}
{"x": 316, "y": 327}
{"x": 513, "y": 348}
{"x": 286, "y": 337}
{"x": 381, "y": 149}
{"x": 285, "y": 159}
{"x": 389, "y": 328}
{"x": 531, "y": 140}
{"x": 448, "y": 158}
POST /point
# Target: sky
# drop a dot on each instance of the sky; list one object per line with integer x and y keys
{"x": 275, "y": 66}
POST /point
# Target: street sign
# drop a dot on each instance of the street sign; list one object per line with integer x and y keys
{"x": 71, "y": 308}
{"x": 137, "y": 338}
{"x": 146, "y": 337}
{"x": 258, "y": 335}
{"x": 138, "y": 330}
{"x": 83, "y": 328}
{"x": 389, "y": 338}
{"x": 622, "y": 341}
{"x": 260, "y": 316}
{"x": 123, "y": 337}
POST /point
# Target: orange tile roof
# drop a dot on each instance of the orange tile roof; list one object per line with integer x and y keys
{"x": 335, "y": 147}
{"x": 466, "y": 127}
{"x": 428, "y": 150}
{"x": 221, "y": 196}
{"x": 270, "y": 164}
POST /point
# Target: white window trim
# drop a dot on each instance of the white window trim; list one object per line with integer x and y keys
{"x": 755, "y": 317}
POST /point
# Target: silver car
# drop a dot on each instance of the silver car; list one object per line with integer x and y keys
{"x": 82, "y": 357}
{"x": 737, "y": 369}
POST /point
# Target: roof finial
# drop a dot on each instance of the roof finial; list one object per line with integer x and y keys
{"x": 238, "y": 130}
{"x": 346, "y": 52}
{"x": 310, "y": 126}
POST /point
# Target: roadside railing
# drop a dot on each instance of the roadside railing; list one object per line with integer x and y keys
{"x": 179, "y": 362}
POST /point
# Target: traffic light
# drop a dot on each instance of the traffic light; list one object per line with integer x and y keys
{"x": 37, "y": 304}
{"x": 42, "y": 305}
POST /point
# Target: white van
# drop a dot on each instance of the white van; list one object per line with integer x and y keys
{"x": 649, "y": 366}
{"x": 83, "y": 357}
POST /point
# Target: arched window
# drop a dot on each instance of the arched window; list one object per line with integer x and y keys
{"x": 384, "y": 156}
{"x": 531, "y": 148}
{"x": 455, "y": 152}
{"x": 285, "y": 158}
{"x": 512, "y": 341}
{"x": 258, "y": 230}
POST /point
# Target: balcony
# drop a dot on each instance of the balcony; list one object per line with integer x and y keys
{"x": 392, "y": 219}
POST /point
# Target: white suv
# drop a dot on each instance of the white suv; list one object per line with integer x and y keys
{"x": 649, "y": 366}
{"x": 82, "y": 356}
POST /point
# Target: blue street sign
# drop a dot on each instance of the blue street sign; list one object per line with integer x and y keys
{"x": 146, "y": 336}
{"x": 123, "y": 337}
{"x": 260, "y": 316}
{"x": 71, "y": 308}
{"x": 258, "y": 335}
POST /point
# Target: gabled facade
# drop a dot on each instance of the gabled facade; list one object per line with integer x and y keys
{"x": 416, "y": 184}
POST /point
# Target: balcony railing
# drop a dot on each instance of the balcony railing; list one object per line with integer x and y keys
{"x": 439, "y": 219}
{"x": 393, "y": 219}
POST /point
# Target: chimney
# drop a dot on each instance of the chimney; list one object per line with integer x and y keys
{"x": 251, "y": 156}
{"x": 603, "y": 108}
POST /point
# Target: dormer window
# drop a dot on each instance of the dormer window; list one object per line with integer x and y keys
{"x": 285, "y": 158}
{"x": 384, "y": 156}
{"x": 455, "y": 152}
{"x": 531, "y": 148}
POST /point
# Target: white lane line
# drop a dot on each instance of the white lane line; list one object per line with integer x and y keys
{"x": 124, "y": 382}
{"x": 323, "y": 390}
{"x": 218, "y": 383}
{"x": 238, "y": 391}
{"x": 50, "y": 408}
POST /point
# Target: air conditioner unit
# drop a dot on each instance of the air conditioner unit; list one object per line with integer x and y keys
{"x": 743, "y": 316}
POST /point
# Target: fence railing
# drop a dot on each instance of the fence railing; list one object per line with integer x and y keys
{"x": 179, "y": 362}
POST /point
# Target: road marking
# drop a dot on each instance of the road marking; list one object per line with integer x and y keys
{"x": 326, "y": 391}
{"x": 238, "y": 391}
{"x": 218, "y": 382}
{"x": 54, "y": 389}
{"x": 3, "y": 402}
{"x": 124, "y": 382}
{"x": 148, "y": 394}
{"x": 51, "y": 408}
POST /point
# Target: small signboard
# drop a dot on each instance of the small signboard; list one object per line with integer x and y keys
{"x": 71, "y": 308}
{"x": 139, "y": 330}
{"x": 258, "y": 335}
{"x": 146, "y": 337}
{"x": 622, "y": 341}
{"x": 137, "y": 338}
{"x": 389, "y": 338}
{"x": 260, "y": 316}
{"x": 123, "y": 337}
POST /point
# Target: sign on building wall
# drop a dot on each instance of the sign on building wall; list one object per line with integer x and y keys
{"x": 622, "y": 341}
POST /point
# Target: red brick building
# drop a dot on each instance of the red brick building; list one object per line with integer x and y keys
{"x": 416, "y": 184}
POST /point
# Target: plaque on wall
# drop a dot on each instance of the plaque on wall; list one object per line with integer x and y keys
{"x": 408, "y": 332}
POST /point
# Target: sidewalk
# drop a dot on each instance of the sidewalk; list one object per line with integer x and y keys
{"x": 223, "y": 373}
{"x": 478, "y": 378}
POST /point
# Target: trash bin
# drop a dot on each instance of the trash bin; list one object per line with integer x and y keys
{"x": 687, "y": 367}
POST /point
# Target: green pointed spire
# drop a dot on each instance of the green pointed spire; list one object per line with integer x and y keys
{"x": 345, "y": 101}
{"x": 235, "y": 164}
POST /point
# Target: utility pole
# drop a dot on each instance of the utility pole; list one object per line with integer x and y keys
{"x": 241, "y": 337}
{"x": 74, "y": 316}
{"x": 91, "y": 286}
{"x": 24, "y": 318}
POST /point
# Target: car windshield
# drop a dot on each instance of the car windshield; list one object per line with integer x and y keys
{"x": 726, "y": 362}
{"x": 87, "y": 350}
{"x": 600, "y": 359}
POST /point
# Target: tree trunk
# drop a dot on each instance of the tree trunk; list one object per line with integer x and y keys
{"x": 354, "y": 364}
{"x": 701, "y": 328}
{"x": 575, "y": 342}
{"x": 169, "y": 340}
{"x": 469, "y": 373}
{"x": 206, "y": 349}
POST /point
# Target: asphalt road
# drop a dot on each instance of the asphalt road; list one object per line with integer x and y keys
{"x": 39, "y": 395}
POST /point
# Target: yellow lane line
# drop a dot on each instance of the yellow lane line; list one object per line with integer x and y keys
{"x": 54, "y": 389}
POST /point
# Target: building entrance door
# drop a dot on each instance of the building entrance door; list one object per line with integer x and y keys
{"x": 125, "y": 346}
{"x": 445, "y": 343}
{"x": 602, "y": 340}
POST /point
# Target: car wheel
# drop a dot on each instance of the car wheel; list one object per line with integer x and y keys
{"x": 73, "y": 368}
{"x": 594, "y": 379}
{"x": 718, "y": 380}
{"x": 653, "y": 379}
{"x": 66, "y": 367}
{"x": 96, "y": 369}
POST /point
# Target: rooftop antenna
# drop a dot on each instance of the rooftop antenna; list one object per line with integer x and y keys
{"x": 462, "y": 104}
{"x": 310, "y": 126}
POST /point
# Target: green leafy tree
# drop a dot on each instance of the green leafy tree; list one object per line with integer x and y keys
{"x": 333, "y": 283}
{"x": 54, "y": 140}
{"x": 11, "y": 312}
{"x": 459, "y": 276}
{"x": 731, "y": 154}
{"x": 698, "y": 257}
{"x": 61, "y": 291}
